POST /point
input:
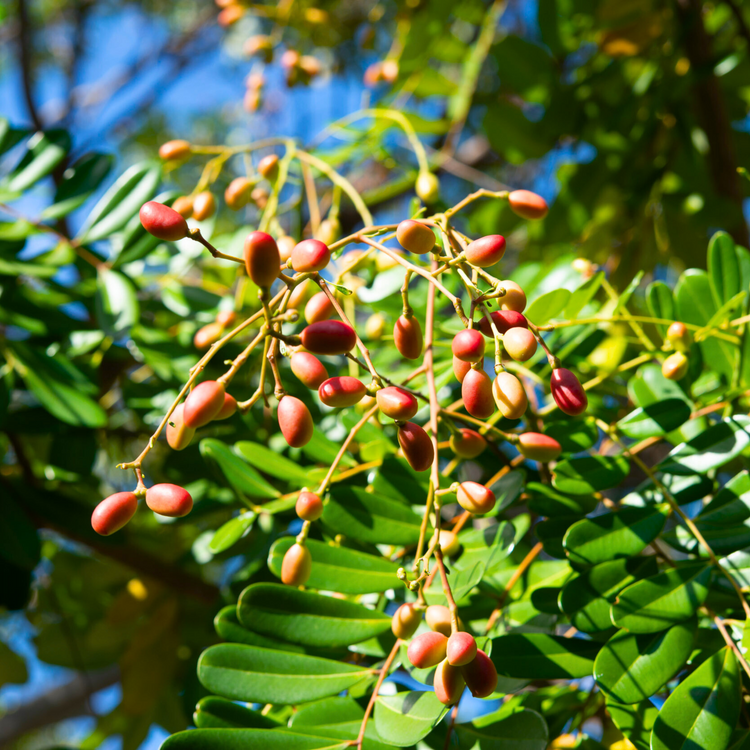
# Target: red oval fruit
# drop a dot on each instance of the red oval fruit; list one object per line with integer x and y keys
{"x": 475, "y": 498}
{"x": 318, "y": 308}
{"x": 309, "y": 506}
{"x": 460, "y": 369}
{"x": 486, "y": 251}
{"x": 310, "y": 255}
{"x": 262, "y": 259}
{"x": 509, "y": 395}
{"x": 538, "y": 447}
{"x": 286, "y": 245}
{"x": 163, "y": 222}
{"x": 416, "y": 446}
{"x": 204, "y": 206}
{"x": 237, "y": 194}
{"x": 504, "y": 320}
{"x": 174, "y": 150}
{"x": 114, "y": 512}
{"x": 415, "y": 237}
{"x": 407, "y": 336}
{"x": 341, "y": 391}
{"x": 296, "y": 565}
{"x": 396, "y": 403}
{"x": 309, "y": 369}
{"x": 514, "y": 298}
{"x": 169, "y": 500}
{"x": 468, "y": 345}
{"x": 427, "y": 650}
{"x": 461, "y": 649}
{"x": 480, "y": 675}
{"x": 528, "y": 205}
{"x": 449, "y": 683}
{"x": 520, "y": 343}
{"x": 405, "y": 621}
{"x": 179, "y": 436}
{"x": 438, "y": 618}
{"x": 203, "y": 403}
{"x": 568, "y": 392}
{"x": 228, "y": 408}
{"x": 329, "y": 337}
{"x": 295, "y": 421}
{"x": 467, "y": 443}
{"x": 476, "y": 391}
{"x": 207, "y": 335}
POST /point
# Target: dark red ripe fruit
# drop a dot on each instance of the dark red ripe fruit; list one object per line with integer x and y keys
{"x": 427, "y": 650}
{"x": 476, "y": 391}
{"x": 262, "y": 259}
{"x": 407, "y": 336}
{"x": 568, "y": 392}
{"x": 460, "y": 369}
{"x": 467, "y": 443}
{"x": 486, "y": 251}
{"x": 295, "y": 421}
{"x": 169, "y": 500}
{"x": 468, "y": 345}
{"x": 462, "y": 648}
{"x": 416, "y": 445}
{"x": 341, "y": 391}
{"x": 329, "y": 337}
{"x": 310, "y": 255}
{"x": 309, "y": 506}
{"x": 205, "y": 401}
{"x": 397, "y": 403}
{"x": 504, "y": 320}
{"x": 163, "y": 222}
{"x": 308, "y": 369}
{"x": 480, "y": 675}
{"x": 114, "y": 512}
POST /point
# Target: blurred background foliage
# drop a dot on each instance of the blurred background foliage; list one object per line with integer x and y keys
{"x": 629, "y": 116}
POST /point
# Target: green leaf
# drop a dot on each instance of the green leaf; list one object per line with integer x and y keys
{"x": 649, "y": 386}
{"x": 547, "y": 502}
{"x": 12, "y": 667}
{"x": 539, "y": 656}
{"x": 249, "y": 739}
{"x": 712, "y": 448}
{"x": 655, "y": 420}
{"x": 406, "y": 718}
{"x": 261, "y": 675}
{"x": 228, "y": 627}
{"x": 548, "y": 306}
{"x": 738, "y": 565}
{"x": 122, "y": 201}
{"x": 695, "y": 304}
{"x": 581, "y": 476}
{"x": 244, "y": 480}
{"x": 586, "y": 599}
{"x": 270, "y": 462}
{"x": 631, "y": 667}
{"x": 523, "y": 730}
{"x": 731, "y": 504}
{"x": 231, "y": 532}
{"x": 370, "y": 518}
{"x": 506, "y": 490}
{"x": 117, "y": 306}
{"x": 44, "y": 151}
{"x": 583, "y": 295}
{"x": 663, "y": 600}
{"x": 574, "y": 435}
{"x": 612, "y": 535}
{"x": 339, "y": 568}
{"x": 60, "y": 395}
{"x": 723, "y": 268}
{"x": 213, "y": 712}
{"x": 660, "y": 303}
{"x": 10, "y": 137}
{"x": 307, "y": 618}
{"x": 488, "y": 546}
{"x": 19, "y": 541}
{"x": 703, "y": 709}
{"x": 78, "y": 184}
{"x": 635, "y": 722}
